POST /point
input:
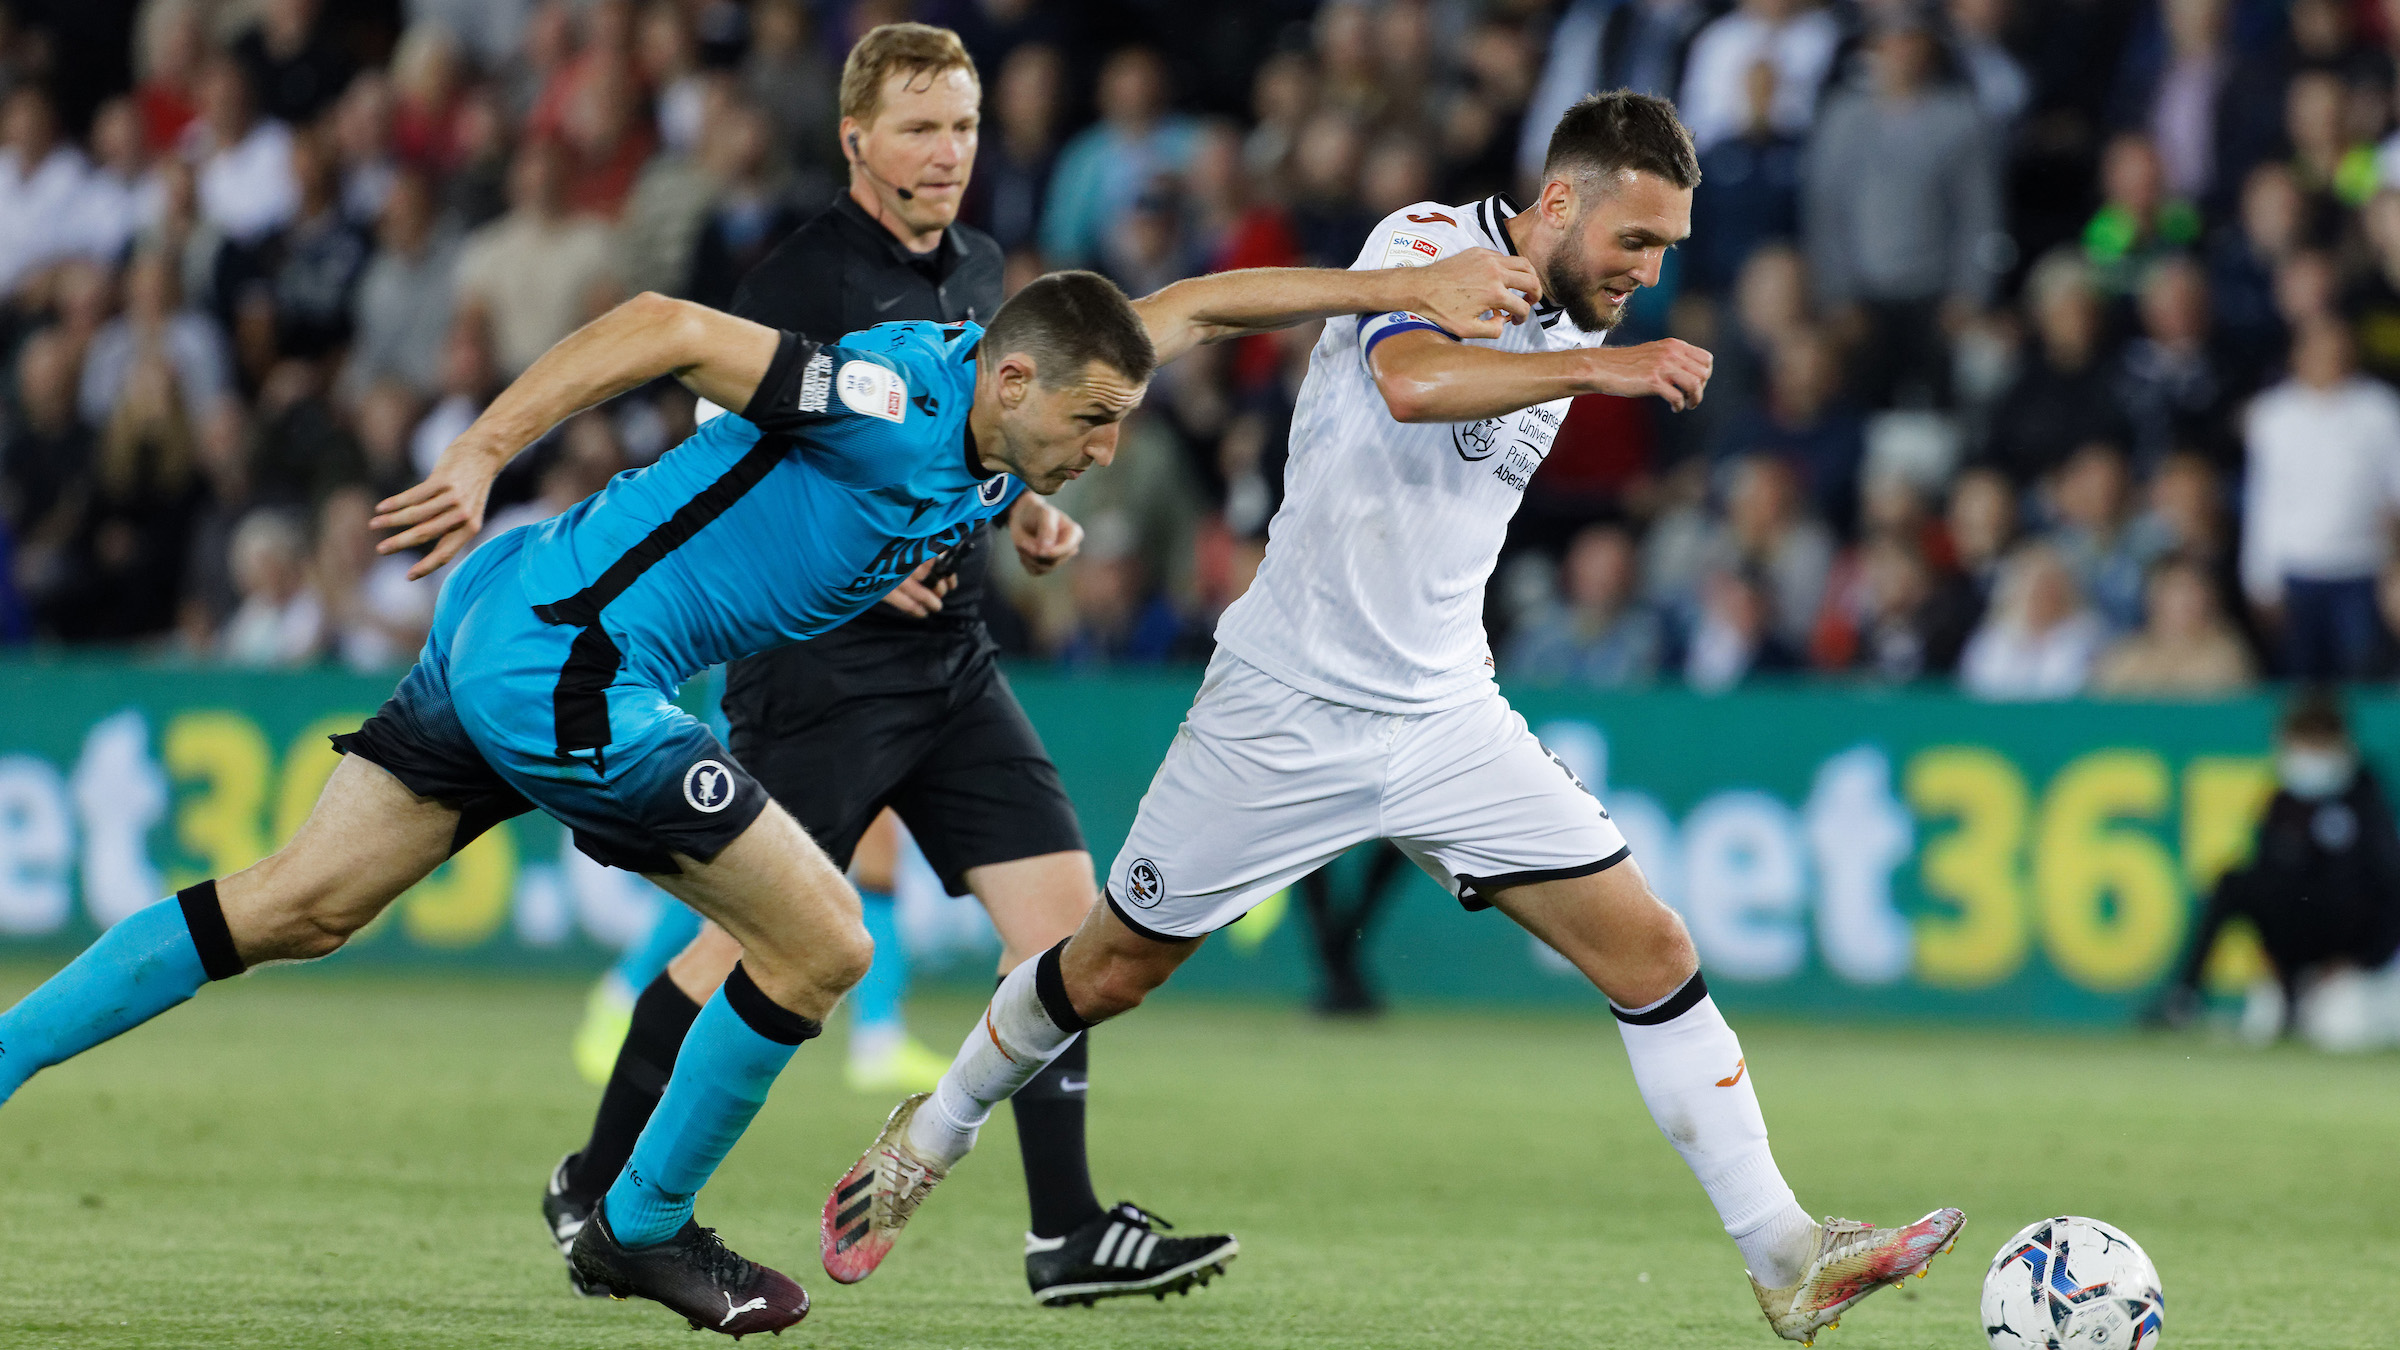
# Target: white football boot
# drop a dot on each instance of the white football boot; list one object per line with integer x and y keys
{"x": 875, "y": 1199}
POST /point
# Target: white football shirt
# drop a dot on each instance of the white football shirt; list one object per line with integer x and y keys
{"x": 1371, "y": 593}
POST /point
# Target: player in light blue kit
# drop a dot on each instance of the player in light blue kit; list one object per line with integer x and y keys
{"x": 556, "y": 649}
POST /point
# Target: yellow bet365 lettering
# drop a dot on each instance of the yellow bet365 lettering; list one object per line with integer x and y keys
{"x": 467, "y": 898}
{"x": 2108, "y": 894}
{"x": 223, "y": 824}
{"x": 1975, "y": 867}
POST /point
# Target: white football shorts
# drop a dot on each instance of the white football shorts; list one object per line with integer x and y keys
{"x": 1265, "y": 784}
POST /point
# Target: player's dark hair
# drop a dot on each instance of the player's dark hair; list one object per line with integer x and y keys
{"x": 1067, "y": 320}
{"x": 1609, "y": 132}
{"x": 2315, "y": 714}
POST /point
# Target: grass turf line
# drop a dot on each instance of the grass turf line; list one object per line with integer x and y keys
{"x": 301, "y": 1160}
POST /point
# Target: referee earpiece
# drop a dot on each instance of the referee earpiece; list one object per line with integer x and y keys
{"x": 859, "y": 158}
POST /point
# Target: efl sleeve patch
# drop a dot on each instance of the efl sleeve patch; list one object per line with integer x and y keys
{"x": 872, "y": 390}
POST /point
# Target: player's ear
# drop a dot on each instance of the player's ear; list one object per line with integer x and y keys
{"x": 1015, "y": 378}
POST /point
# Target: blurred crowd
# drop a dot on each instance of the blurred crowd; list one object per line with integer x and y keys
{"x": 2053, "y": 338}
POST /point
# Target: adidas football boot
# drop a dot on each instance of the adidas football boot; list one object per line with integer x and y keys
{"x": 875, "y": 1199}
{"x": 1122, "y": 1252}
{"x": 1854, "y": 1260}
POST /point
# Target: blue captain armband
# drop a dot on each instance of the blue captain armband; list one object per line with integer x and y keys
{"x": 1375, "y": 328}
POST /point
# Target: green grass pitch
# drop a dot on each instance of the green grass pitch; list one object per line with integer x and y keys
{"x": 315, "y": 1160}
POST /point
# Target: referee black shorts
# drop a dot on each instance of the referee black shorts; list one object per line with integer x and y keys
{"x": 962, "y": 766}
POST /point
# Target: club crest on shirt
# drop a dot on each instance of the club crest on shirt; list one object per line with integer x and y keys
{"x": 1477, "y": 440}
{"x": 1143, "y": 884}
{"x": 708, "y": 786}
{"x": 993, "y": 490}
{"x": 872, "y": 390}
{"x": 816, "y": 382}
{"x": 1409, "y": 250}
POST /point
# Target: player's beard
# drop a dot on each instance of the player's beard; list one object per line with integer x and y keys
{"x": 1567, "y": 282}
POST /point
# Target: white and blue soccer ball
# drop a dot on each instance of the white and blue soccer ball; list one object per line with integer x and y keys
{"x": 2072, "y": 1284}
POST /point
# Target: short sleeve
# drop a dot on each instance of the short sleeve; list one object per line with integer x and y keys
{"x": 1410, "y": 237}
{"x": 857, "y": 411}
{"x": 795, "y": 389}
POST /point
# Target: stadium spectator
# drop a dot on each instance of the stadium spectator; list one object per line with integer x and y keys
{"x": 280, "y": 620}
{"x": 2321, "y": 489}
{"x": 246, "y": 183}
{"x": 469, "y": 380}
{"x": 2185, "y": 649}
{"x": 304, "y": 448}
{"x": 1749, "y": 192}
{"x": 2138, "y": 223}
{"x": 2171, "y": 390}
{"x": 112, "y": 205}
{"x": 1735, "y": 636}
{"x": 1483, "y": 118}
{"x": 537, "y": 272}
{"x": 1608, "y": 44}
{"x": 294, "y": 63}
{"x": 316, "y": 263}
{"x": 1281, "y": 96}
{"x": 2091, "y": 505}
{"x": 2243, "y": 258}
{"x": 1019, "y": 150}
{"x": 750, "y": 212}
{"x": 2061, "y": 396}
{"x": 45, "y": 454}
{"x": 1770, "y": 540}
{"x": 403, "y": 302}
{"x": 170, "y": 49}
{"x": 1123, "y": 616}
{"x": 1796, "y": 37}
{"x": 667, "y": 58}
{"x": 2322, "y": 886}
{"x": 2206, "y": 107}
{"x": 428, "y": 97}
{"x": 373, "y": 616}
{"x": 1878, "y": 613}
{"x": 606, "y": 138}
{"x": 1980, "y": 37}
{"x": 1979, "y": 527}
{"x": 359, "y": 134}
{"x": 2038, "y": 641}
{"x": 2371, "y": 302}
{"x": 1902, "y": 213}
{"x": 155, "y": 323}
{"x": 126, "y": 544}
{"x": 790, "y": 77}
{"x": 1105, "y": 168}
{"x": 1807, "y": 424}
{"x": 1600, "y": 633}
{"x": 43, "y": 192}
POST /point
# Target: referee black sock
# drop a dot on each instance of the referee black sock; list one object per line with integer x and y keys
{"x": 1058, "y": 1174}
{"x": 661, "y": 1018}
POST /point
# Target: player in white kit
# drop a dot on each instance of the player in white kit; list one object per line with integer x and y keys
{"x": 1352, "y": 698}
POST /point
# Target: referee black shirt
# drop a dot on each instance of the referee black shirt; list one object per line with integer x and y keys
{"x": 836, "y": 274}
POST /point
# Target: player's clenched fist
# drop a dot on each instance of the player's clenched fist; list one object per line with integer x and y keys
{"x": 1474, "y": 293}
{"x": 1671, "y": 368}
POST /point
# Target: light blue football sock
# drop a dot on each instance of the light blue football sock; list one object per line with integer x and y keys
{"x": 876, "y": 1000}
{"x": 146, "y": 964}
{"x": 736, "y": 1047}
{"x": 671, "y": 932}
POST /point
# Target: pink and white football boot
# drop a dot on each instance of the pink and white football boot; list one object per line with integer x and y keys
{"x": 1854, "y": 1260}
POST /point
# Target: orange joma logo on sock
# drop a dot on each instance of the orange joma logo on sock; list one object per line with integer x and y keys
{"x": 1738, "y": 1066}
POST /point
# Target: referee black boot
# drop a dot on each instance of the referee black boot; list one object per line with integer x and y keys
{"x": 1122, "y": 1252}
{"x": 693, "y": 1273}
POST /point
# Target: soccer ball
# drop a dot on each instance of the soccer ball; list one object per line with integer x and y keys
{"x": 2072, "y": 1284}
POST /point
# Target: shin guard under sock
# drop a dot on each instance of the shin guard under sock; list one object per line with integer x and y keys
{"x": 738, "y": 1044}
{"x": 662, "y": 1017}
{"x": 1697, "y": 1083}
{"x": 154, "y": 958}
{"x": 1029, "y": 1023}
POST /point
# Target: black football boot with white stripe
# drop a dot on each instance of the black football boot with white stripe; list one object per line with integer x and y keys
{"x": 566, "y": 1213}
{"x": 1122, "y": 1252}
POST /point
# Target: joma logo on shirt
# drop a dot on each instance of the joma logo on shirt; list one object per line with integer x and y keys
{"x": 903, "y": 556}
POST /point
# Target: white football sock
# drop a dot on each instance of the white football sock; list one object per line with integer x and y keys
{"x": 1697, "y": 1084}
{"x": 1015, "y": 1040}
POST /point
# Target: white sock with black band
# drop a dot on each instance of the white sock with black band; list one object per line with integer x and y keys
{"x": 1696, "y": 1082}
{"x": 1028, "y": 1024}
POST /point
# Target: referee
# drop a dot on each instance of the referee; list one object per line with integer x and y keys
{"x": 904, "y": 706}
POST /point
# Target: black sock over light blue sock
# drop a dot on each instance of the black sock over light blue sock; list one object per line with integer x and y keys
{"x": 155, "y": 958}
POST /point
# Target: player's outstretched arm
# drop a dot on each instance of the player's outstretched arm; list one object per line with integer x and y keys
{"x": 1474, "y": 293}
{"x": 1429, "y": 377}
{"x": 719, "y": 357}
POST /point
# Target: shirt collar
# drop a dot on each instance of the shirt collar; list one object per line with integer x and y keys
{"x": 1493, "y": 213}
{"x": 941, "y": 260}
{"x": 966, "y": 428}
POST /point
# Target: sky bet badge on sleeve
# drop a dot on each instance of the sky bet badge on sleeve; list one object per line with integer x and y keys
{"x": 1409, "y": 250}
{"x": 872, "y": 390}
